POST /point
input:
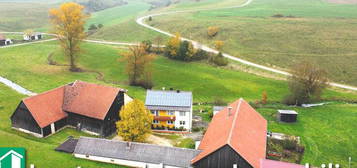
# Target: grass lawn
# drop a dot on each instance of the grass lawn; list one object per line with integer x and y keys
{"x": 327, "y": 132}
{"x": 315, "y": 33}
{"x": 27, "y": 66}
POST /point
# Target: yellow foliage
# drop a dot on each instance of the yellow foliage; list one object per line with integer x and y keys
{"x": 68, "y": 23}
{"x": 174, "y": 44}
{"x": 212, "y": 31}
{"x": 138, "y": 63}
{"x": 135, "y": 122}
{"x": 218, "y": 45}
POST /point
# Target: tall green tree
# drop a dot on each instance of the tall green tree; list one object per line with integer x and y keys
{"x": 135, "y": 122}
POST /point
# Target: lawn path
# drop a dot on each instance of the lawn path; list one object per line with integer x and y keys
{"x": 141, "y": 21}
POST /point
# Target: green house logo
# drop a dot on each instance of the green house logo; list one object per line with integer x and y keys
{"x": 12, "y": 158}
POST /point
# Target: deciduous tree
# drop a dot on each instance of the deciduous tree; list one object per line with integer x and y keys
{"x": 68, "y": 23}
{"x": 306, "y": 83}
{"x": 138, "y": 65}
{"x": 212, "y": 31}
{"x": 135, "y": 122}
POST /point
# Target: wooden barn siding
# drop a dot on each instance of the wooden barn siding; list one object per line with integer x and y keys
{"x": 109, "y": 126}
{"x": 60, "y": 124}
{"x": 46, "y": 131}
{"x": 22, "y": 118}
{"x": 224, "y": 157}
{"x": 87, "y": 123}
{"x": 2, "y": 42}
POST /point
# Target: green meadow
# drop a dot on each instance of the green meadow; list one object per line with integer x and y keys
{"x": 308, "y": 32}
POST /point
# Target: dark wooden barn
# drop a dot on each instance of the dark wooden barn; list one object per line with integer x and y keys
{"x": 40, "y": 115}
{"x": 288, "y": 116}
{"x": 2, "y": 40}
{"x": 236, "y": 138}
{"x": 88, "y": 107}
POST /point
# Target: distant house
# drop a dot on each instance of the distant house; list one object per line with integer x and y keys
{"x": 4, "y": 41}
{"x": 133, "y": 154}
{"x": 171, "y": 109}
{"x": 32, "y": 36}
{"x": 85, "y": 106}
{"x": 236, "y": 137}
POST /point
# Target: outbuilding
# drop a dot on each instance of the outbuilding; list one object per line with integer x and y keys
{"x": 4, "y": 41}
{"x": 288, "y": 116}
{"x": 85, "y": 106}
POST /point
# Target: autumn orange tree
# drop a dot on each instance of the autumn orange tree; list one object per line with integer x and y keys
{"x": 138, "y": 65}
{"x": 135, "y": 122}
{"x": 212, "y": 31}
{"x": 68, "y": 23}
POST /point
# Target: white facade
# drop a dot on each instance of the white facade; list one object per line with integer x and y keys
{"x": 183, "y": 119}
{"x": 123, "y": 162}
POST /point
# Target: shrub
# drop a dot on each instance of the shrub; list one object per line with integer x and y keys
{"x": 264, "y": 97}
{"x": 196, "y": 129}
{"x": 219, "y": 60}
{"x": 200, "y": 55}
{"x": 278, "y": 15}
{"x": 210, "y": 114}
{"x": 212, "y": 31}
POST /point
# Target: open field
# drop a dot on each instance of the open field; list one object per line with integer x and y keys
{"x": 312, "y": 33}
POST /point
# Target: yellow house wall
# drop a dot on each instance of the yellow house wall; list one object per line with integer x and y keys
{"x": 164, "y": 123}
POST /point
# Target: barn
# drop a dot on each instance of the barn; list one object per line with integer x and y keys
{"x": 4, "y": 41}
{"x": 236, "y": 137}
{"x": 85, "y": 106}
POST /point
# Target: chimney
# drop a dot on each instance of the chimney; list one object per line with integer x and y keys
{"x": 128, "y": 145}
{"x": 229, "y": 111}
{"x": 178, "y": 91}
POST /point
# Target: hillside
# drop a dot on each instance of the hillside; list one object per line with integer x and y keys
{"x": 309, "y": 32}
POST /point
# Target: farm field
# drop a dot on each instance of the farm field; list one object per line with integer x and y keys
{"x": 309, "y": 31}
{"x": 206, "y": 83}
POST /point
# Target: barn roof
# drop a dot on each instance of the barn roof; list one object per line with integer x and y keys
{"x": 46, "y": 108}
{"x": 140, "y": 152}
{"x": 266, "y": 163}
{"x": 89, "y": 99}
{"x": 242, "y": 128}
{"x": 168, "y": 98}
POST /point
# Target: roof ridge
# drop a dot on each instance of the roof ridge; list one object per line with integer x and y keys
{"x": 234, "y": 122}
{"x": 141, "y": 143}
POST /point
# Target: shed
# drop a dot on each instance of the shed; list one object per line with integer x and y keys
{"x": 287, "y": 116}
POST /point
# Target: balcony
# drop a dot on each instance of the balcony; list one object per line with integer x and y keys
{"x": 165, "y": 118}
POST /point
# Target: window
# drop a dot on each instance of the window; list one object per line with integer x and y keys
{"x": 182, "y": 122}
{"x": 154, "y": 112}
{"x": 171, "y": 113}
{"x": 182, "y": 113}
{"x": 170, "y": 122}
{"x": 155, "y": 121}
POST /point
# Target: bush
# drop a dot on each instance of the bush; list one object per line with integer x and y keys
{"x": 278, "y": 15}
{"x": 200, "y": 55}
{"x": 196, "y": 129}
{"x": 210, "y": 114}
{"x": 212, "y": 31}
{"x": 219, "y": 60}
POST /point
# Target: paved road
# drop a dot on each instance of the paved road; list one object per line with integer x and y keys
{"x": 141, "y": 21}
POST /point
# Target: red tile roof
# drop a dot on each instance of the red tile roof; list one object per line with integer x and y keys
{"x": 46, "y": 108}
{"x": 244, "y": 130}
{"x": 2, "y": 37}
{"x": 266, "y": 163}
{"x": 89, "y": 99}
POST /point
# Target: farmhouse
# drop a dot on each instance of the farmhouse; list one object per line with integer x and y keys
{"x": 4, "y": 41}
{"x": 32, "y": 36}
{"x": 85, "y": 106}
{"x": 171, "y": 109}
{"x": 236, "y": 138}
